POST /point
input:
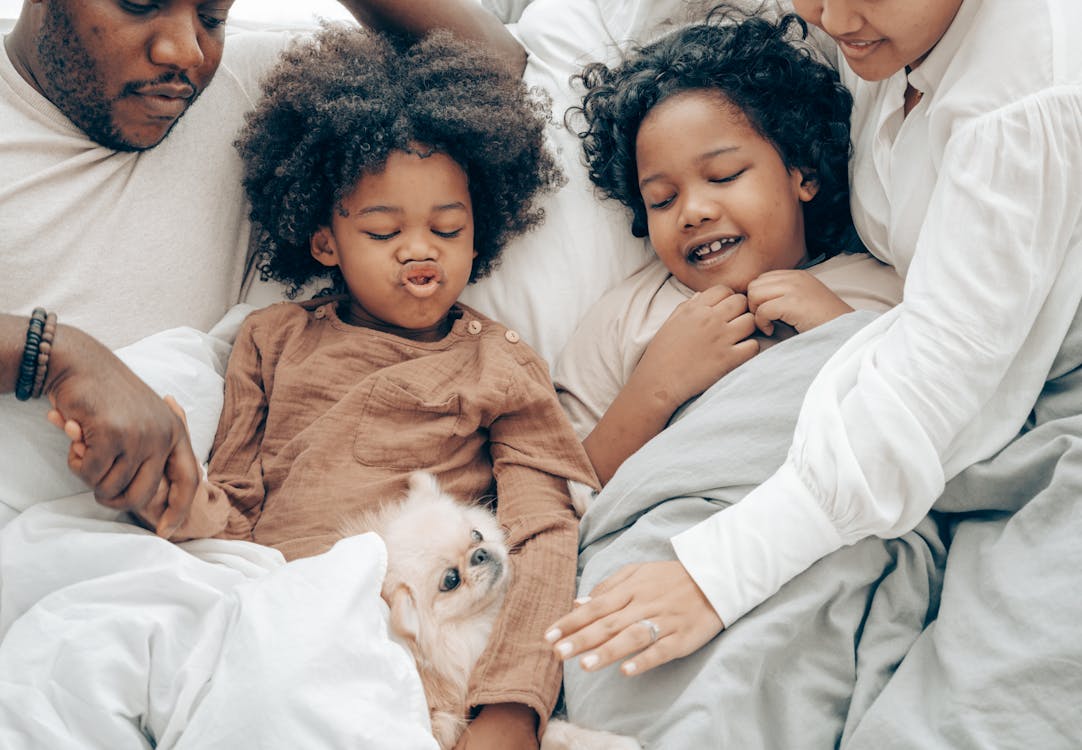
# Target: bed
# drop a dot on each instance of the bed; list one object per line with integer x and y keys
{"x": 110, "y": 637}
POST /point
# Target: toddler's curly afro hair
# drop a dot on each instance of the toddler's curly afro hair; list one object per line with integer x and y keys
{"x": 791, "y": 99}
{"x": 336, "y": 106}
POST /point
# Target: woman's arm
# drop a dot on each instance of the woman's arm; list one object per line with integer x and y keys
{"x": 940, "y": 382}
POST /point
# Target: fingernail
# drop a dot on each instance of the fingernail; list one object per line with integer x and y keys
{"x": 553, "y": 635}
{"x": 629, "y": 667}
{"x": 564, "y": 649}
{"x": 590, "y": 661}
{"x": 582, "y": 600}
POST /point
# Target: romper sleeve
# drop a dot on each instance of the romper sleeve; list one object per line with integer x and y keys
{"x": 235, "y": 472}
{"x": 943, "y": 380}
{"x": 534, "y": 452}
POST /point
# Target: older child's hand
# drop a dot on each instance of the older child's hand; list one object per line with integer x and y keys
{"x": 654, "y": 609}
{"x": 705, "y": 338}
{"x": 793, "y": 297}
{"x": 501, "y": 726}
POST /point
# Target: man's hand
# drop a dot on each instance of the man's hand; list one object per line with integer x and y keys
{"x": 705, "y": 338}
{"x": 614, "y": 622}
{"x": 793, "y": 297}
{"x": 129, "y": 439}
{"x": 501, "y": 726}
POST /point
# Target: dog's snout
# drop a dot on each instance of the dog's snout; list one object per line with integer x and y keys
{"x": 480, "y": 556}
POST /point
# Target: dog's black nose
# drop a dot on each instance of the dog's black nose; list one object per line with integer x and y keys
{"x": 479, "y": 557}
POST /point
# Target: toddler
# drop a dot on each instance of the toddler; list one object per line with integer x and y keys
{"x": 398, "y": 173}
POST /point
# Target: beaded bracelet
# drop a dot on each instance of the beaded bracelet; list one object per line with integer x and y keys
{"x": 44, "y": 349}
{"x": 28, "y": 368}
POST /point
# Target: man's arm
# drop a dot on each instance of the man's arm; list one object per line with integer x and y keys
{"x": 131, "y": 436}
{"x": 464, "y": 18}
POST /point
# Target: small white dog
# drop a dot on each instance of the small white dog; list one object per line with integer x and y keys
{"x": 447, "y": 573}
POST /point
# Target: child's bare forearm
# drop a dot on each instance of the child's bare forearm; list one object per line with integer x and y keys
{"x": 638, "y": 413}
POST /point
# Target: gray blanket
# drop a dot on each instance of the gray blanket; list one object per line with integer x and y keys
{"x": 851, "y": 652}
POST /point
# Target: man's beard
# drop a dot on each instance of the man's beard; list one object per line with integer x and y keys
{"x": 71, "y": 80}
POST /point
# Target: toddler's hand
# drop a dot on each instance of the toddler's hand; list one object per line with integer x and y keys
{"x": 793, "y": 297}
{"x": 705, "y": 338}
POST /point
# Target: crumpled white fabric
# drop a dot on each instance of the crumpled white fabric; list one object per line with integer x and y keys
{"x": 114, "y": 638}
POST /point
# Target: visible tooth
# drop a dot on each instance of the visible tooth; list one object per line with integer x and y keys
{"x": 715, "y": 245}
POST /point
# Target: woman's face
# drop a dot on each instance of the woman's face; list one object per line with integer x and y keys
{"x": 881, "y": 37}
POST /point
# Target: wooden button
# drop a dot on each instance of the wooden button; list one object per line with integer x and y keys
{"x": 474, "y": 327}
{"x": 511, "y": 336}
{"x": 321, "y": 312}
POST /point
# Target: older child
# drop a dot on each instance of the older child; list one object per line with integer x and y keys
{"x": 398, "y": 173}
{"x": 753, "y": 192}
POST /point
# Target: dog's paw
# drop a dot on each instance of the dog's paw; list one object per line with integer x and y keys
{"x": 560, "y": 735}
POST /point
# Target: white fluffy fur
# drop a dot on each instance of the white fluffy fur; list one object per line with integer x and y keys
{"x": 426, "y": 535}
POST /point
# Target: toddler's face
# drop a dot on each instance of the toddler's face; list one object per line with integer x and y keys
{"x": 721, "y": 206}
{"x": 403, "y": 241}
{"x": 880, "y": 37}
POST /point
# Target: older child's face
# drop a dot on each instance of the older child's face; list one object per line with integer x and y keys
{"x": 403, "y": 241}
{"x": 721, "y": 206}
{"x": 880, "y": 37}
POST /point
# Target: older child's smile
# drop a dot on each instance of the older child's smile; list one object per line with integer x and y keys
{"x": 714, "y": 252}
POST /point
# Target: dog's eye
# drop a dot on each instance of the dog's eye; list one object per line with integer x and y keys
{"x": 450, "y": 580}
{"x": 475, "y": 535}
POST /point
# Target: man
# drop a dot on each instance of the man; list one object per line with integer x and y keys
{"x": 121, "y": 208}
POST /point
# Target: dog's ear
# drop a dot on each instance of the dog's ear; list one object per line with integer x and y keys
{"x": 405, "y": 619}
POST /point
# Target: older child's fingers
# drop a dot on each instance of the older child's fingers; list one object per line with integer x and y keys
{"x": 712, "y": 295}
{"x": 743, "y": 326}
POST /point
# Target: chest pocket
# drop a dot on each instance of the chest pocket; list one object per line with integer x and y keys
{"x": 401, "y": 429}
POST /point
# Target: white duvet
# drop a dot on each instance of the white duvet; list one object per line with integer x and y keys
{"x": 113, "y": 638}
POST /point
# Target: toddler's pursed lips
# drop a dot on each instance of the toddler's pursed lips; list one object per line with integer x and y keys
{"x": 421, "y": 278}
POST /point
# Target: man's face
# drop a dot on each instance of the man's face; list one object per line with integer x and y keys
{"x": 125, "y": 71}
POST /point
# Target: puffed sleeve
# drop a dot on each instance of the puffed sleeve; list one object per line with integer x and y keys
{"x": 943, "y": 380}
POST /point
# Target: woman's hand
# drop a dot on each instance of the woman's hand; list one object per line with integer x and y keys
{"x": 614, "y": 622}
{"x": 793, "y": 297}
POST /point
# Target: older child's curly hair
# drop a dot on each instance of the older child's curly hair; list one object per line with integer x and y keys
{"x": 794, "y": 101}
{"x": 334, "y": 108}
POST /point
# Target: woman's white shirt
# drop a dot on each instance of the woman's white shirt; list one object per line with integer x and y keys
{"x": 975, "y": 198}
